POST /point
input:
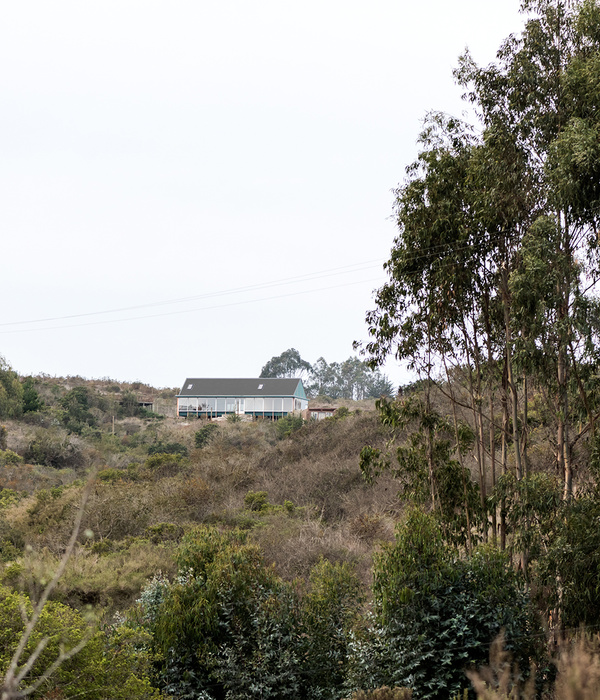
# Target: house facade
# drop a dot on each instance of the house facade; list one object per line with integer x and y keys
{"x": 256, "y": 398}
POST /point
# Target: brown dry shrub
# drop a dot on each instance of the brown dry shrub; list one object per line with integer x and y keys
{"x": 579, "y": 671}
{"x": 295, "y": 544}
{"x": 183, "y": 498}
{"x": 578, "y": 676}
{"x": 112, "y": 580}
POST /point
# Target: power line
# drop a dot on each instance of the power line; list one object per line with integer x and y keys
{"x": 182, "y": 311}
{"x": 308, "y": 277}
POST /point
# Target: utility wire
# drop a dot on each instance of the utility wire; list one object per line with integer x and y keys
{"x": 182, "y": 311}
{"x": 308, "y": 277}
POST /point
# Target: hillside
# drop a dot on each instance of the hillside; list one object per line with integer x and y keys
{"x": 300, "y": 497}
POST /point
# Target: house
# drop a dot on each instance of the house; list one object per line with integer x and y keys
{"x": 258, "y": 398}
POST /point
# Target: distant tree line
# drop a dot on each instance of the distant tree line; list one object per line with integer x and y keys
{"x": 350, "y": 379}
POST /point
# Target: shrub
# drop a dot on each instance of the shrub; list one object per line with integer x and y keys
{"x": 32, "y": 401}
{"x": 256, "y": 500}
{"x": 111, "y": 664}
{"x": 229, "y": 627}
{"x": 53, "y": 449}
{"x": 169, "y": 448}
{"x": 384, "y": 693}
{"x": 206, "y": 433}
{"x": 9, "y": 457}
{"x": 161, "y": 465}
{"x": 287, "y": 425}
{"x": 164, "y": 532}
{"x": 110, "y": 475}
{"x": 436, "y": 616}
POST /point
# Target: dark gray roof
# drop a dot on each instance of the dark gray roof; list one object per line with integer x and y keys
{"x": 265, "y": 386}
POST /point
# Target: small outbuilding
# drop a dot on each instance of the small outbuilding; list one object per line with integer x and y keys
{"x": 266, "y": 397}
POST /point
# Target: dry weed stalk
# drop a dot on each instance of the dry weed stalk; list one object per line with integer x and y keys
{"x": 19, "y": 667}
{"x": 578, "y": 674}
{"x": 500, "y": 680}
{"x": 579, "y": 671}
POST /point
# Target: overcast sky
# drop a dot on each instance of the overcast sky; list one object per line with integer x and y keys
{"x": 188, "y": 188}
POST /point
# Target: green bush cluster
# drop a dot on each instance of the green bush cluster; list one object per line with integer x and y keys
{"x": 436, "y": 615}
{"x": 168, "y": 448}
{"x": 112, "y": 664}
{"x": 205, "y": 435}
{"x": 229, "y": 627}
{"x": 287, "y": 425}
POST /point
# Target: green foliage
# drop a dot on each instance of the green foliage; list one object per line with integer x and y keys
{"x": 77, "y": 405}
{"x": 330, "y": 611}
{"x": 437, "y": 615}
{"x": 110, "y": 665}
{"x": 11, "y": 392}
{"x": 351, "y": 379}
{"x": 425, "y": 464}
{"x": 256, "y": 500}
{"x": 52, "y": 448}
{"x": 229, "y": 627}
{"x": 287, "y": 425}
{"x": 384, "y": 693}
{"x": 32, "y": 401}
{"x": 341, "y": 413}
{"x": 170, "y": 448}
{"x": 288, "y": 364}
{"x": 568, "y": 571}
{"x": 164, "y": 532}
{"x": 111, "y": 475}
{"x": 129, "y": 405}
{"x": 205, "y": 435}
{"x": 162, "y": 465}
{"x": 8, "y": 457}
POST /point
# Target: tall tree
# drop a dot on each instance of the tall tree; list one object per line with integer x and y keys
{"x": 288, "y": 364}
{"x": 11, "y": 391}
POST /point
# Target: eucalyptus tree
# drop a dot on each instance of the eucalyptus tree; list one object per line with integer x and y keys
{"x": 497, "y": 250}
{"x": 541, "y": 93}
{"x": 288, "y": 364}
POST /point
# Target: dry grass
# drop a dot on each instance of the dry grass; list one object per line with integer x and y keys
{"x": 112, "y": 581}
{"x": 578, "y": 675}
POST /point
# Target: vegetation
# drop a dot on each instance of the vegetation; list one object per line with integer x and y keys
{"x": 351, "y": 379}
{"x": 378, "y": 555}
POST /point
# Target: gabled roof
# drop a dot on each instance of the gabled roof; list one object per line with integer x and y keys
{"x": 263, "y": 386}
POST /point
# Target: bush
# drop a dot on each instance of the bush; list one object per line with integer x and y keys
{"x": 53, "y": 449}
{"x": 384, "y": 693}
{"x": 161, "y": 465}
{"x": 206, "y": 433}
{"x": 109, "y": 665}
{"x": 169, "y": 448}
{"x": 229, "y": 627}
{"x": 436, "y": 615}
{"x": 256, "y": 500}
{"x": 287, "y": 425}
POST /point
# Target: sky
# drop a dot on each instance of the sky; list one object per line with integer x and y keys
{"x": 189, "y": 188}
